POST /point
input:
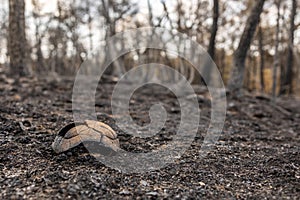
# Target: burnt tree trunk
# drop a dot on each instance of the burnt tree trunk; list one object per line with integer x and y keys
{"x": 17, "y": 38}
{"x": 288, "y": 81}
{"x": 262, "y": 59}
{"x": 237, "y": 75}
{"x": 212, "y": 41}
{"x": 117, "y": 67}
{"x": 276, "y": 56}
{"x": 214, "y": 30}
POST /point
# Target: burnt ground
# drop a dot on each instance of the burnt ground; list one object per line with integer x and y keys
{"x": 257, "y": 156}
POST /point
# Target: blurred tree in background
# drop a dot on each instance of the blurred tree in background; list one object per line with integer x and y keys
{"x": 17, "y": 44}
{"x": 253, "y": 46}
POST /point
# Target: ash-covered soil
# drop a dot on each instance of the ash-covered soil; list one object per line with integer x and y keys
{"x": 257, "y": 156}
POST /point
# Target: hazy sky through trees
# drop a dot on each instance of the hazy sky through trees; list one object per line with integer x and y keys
{"x": 232, "y": 13}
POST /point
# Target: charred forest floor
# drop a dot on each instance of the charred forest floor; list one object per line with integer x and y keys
{"x": 256, "y": 157}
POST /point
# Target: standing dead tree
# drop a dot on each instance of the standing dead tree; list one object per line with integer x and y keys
{"x": 237, "y": 75}
{"x": 288, "y": 80}
{"x": 212, "y": 41}
{"x": 41, "y": 28}
{"x": 113, "y": 12}
{"x": 262, "y": 59}
{"x": 3, "y": 33}
{"x": 214, "y": 30}
{"x": 17, "y": 44}
{"x": 276, "y": 56}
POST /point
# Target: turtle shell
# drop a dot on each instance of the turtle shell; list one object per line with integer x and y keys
{"x": 87, "y": 132}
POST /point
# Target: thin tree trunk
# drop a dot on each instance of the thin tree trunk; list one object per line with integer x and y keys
{"x": 276, "y": 56}
{"x": 262, "y": 59}
{"x": 288, "y": 83}
{"x": 237, "y": 75}
{"x": 212, "y": 41}
{"x": 17, "y": 44}
{"x": 90, "y": 20}
{"x": 40, "y": 57}
{"x": 222, "y": 62}
{"x": 214, "y": 30}
{"x": 118, "y": 68}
